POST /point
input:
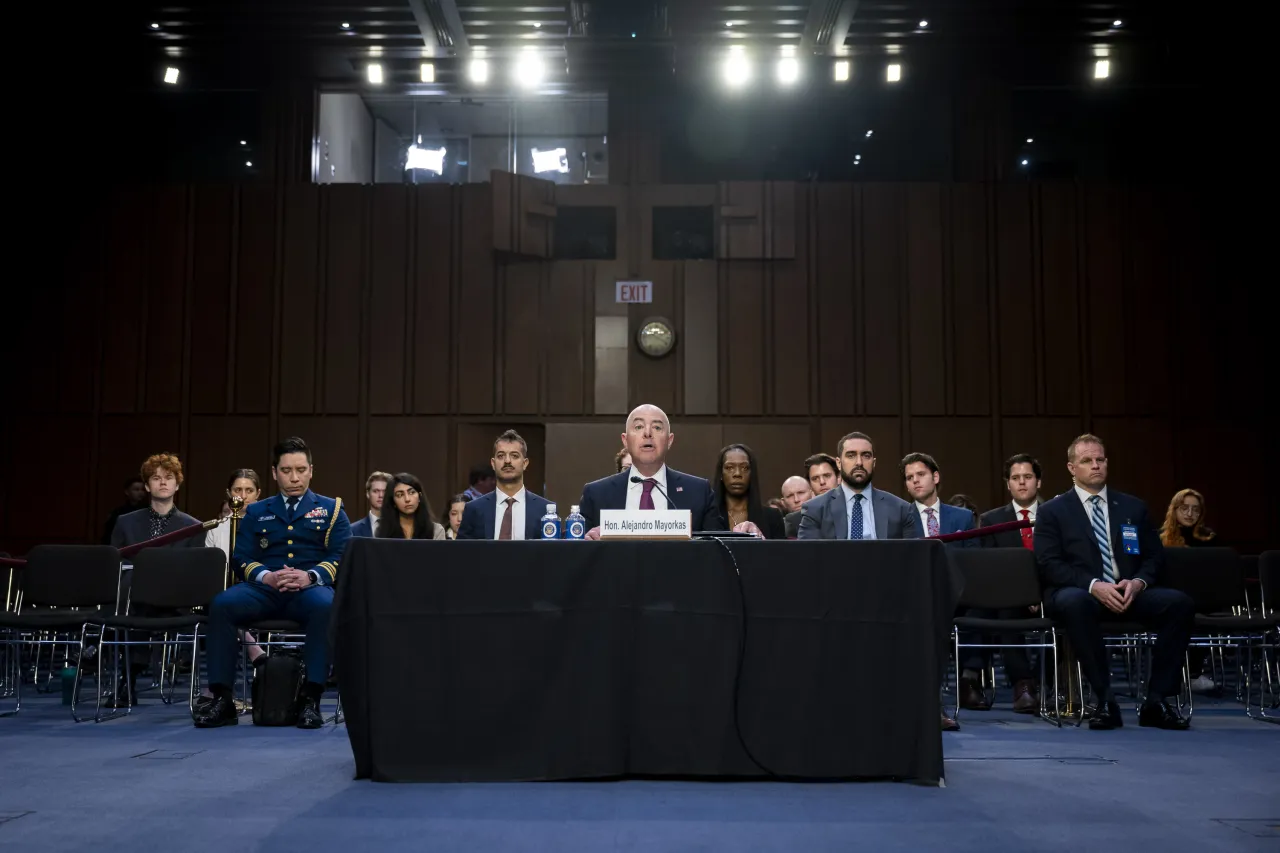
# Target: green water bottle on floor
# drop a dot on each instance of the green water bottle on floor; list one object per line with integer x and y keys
{"x": 68, "y": 683}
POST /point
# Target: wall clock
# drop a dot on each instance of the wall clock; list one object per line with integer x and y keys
{"x": 656, "y": 337}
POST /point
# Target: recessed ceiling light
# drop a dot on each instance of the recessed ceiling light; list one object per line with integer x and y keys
{"x": 248, "y": 163}
{"x": 1024, "y": 162}
{"x": 155, "y": 26}
{"x": 1030, "y": 140}
{"x": 728, "y": 23}
{"x": 893, "y": 72}
{"x": 869, "y": 132}
{"x": 243, "y": 142}
{"x": 375, "y": 73}
{"x": 924, "y": 25}
{"x": 171, "y": 75}
{"x": 1117, "y": 23}
{"x": 428, "y": 72}
{"x": 841, "y": 70}
{"x": 479, "y": 71}
{"x": 788, "y": 70}
{"x": 537, "y": 25}
{"x": 346, "y": 25}
{"x": 1102, "y": 69}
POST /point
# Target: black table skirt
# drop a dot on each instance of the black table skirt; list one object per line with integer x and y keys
{"x": 487, "y": 661}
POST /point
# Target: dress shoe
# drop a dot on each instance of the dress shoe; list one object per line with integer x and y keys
{"x": 1106, "y": 716}
{"x": 971, "y": 696}
{"x": 215, "y": 711}
{"x": 1024, "y": 697}
{"x": 1162, "y": 715}
{"x": 309, "y": 715}
{"x": 949, "y": 725}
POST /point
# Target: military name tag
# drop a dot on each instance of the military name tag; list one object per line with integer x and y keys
{"x": 262, "y": 543}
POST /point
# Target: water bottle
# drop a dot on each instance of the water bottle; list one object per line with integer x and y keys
{"x": 575, "y": 526}
{"x": 551, "y": 523}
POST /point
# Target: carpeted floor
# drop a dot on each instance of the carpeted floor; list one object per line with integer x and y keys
{"x": 152, "y": 782}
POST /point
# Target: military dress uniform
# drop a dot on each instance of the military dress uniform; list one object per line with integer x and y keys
{"x": 307, "y": 533}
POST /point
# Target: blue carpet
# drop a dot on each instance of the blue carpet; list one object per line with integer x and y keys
{"x": 152, "y": 781}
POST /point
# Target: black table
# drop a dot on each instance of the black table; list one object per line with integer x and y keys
{"x": 486, "y": 661}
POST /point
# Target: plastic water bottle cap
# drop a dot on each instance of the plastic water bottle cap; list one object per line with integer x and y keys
{"x": 573, "y": 510}
{"x": 551, "y": 508}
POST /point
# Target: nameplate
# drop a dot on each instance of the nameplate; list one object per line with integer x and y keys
{"x": 646, "y": 524}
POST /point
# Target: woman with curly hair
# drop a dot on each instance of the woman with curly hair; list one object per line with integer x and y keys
{"x": 1184, "y": 522}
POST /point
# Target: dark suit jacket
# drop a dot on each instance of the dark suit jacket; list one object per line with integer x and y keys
{"x": 1003, "y": 515}
{"x": 951, "y": 519}
{"x": 1067, "y": 552}
{"x": 791, "y": 523}
{"x": 134, "y": 527}
{"x": 767, "y": 518}
{"x": 362, "y": 528}
{"x": 479, "y": 516}
{"x": 825, "y": 517}
{"x": 684, "y": 491}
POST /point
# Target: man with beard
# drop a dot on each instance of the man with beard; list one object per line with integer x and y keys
{"x": 649, "y": 483}
{"x": 521, "y": 510}
{"x": 856, "y": 510}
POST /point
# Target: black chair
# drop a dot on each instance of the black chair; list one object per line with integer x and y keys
{"x": 65, "y": 588}
{"x": 164, "y": 580}
{"x": 1003, "y": 579}
{"x": 1269, "y": 612}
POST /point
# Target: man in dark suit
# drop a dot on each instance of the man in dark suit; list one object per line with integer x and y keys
{"x": 521, "y": 509}
{"x": 162, "y": 477}
{"x": 375, "y": 491}
{"x": 649, "y": 483}
{"x": 820, "y": 469}
{"x": 921, "y": 477}
{"x": 1100, "y": 559}
{"x": 855, "y": 510}
{"x": 1022, "y": 475}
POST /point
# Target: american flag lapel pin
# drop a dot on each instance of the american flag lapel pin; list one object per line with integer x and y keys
{"x": 679, "y": 488}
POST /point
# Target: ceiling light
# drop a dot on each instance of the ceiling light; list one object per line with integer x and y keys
{"x": 249, "y": 163}
{"x": 893, "y": 72}
{"x": 553, "y": 160}
{"x": 243, "y": 142}
{"x": 869, "y": 132}
{"x": 633, "y": 35}
{"x": 857, "y": 156}
{"x": 788, "y": 70}
{"x": 924, "y": 25}
{"x": 537, "y": 25}
{"x": 1030, "y": 140}
{"x": 479, "y": 71}
{"x": 728, "y": 23}
{"x": 1102, "y": 69}
{"x": 171, "y": 75}
{"x": 737, "y": 70}
{"x": 155, "y": 26}
{"x": 1024, "y": 161}
{"x": 346, "y": 25}
{"x": 530, "y": 70}
{"x": 427, "y": 159}
{"x": 842, "y": 70}
{"x": 375, "y": 73}
{"x": 1117, "y": 23}
{"x": 428, "y": 72}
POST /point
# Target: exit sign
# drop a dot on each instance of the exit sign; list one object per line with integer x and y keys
{"x": 635, "y": 291}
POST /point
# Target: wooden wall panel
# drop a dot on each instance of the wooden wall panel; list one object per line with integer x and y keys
{"x": 565, "y": 320}
{"x": 654, "y": 380}
{"x": 696, "y": 447}
{"x": 1104, "y": 299}
{"x": 927, "y": 329}
{"x": 433, "y": 257}
{"x": 743, "y": 345}
{"x": 579, "y": 453}
{"x": 1243, "y": 524}
{"x": 886, "y": 439}
{"x": 1139, "y": 456}
{"x": 167, "y": 286}
{"x": 213, "y": 253}
{"x": 788, "y": 313}
{"x": 256, "y": 304}
{"x": 417, "y": 445}
{"x": 1060, "y": 322}
{"x": 1147, "y": 323}
{"x": 1015, "y": 292}
{"x": 883, "y": 272}
{"x": 29, "y": 522}
{"x": 962, "y": 449}
{"x": 474, "y": 341}
{"x": 971, "y": 352}
{"x": 334, "y": 453}
{"x": 778, "y": 448}
{"x": 524, "y": 336}
{"x": 390, "y": 309}
{"x": 125, "y": 318}
{"x": 219, "y": 445}
{"x": 302, "y": 345}
{"x": 1044, "y": 438}
{"x": 124, "y": 443}
{"x": 836, "y": 315}
{"x": 345, "y": 297}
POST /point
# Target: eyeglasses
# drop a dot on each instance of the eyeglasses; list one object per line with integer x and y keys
{"x": 1191, "y": 510}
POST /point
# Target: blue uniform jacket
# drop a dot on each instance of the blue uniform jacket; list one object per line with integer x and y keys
{"x": 312, "y": 539}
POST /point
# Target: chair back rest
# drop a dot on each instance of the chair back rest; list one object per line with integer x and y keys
{"x": 1213, "y": 577}
{"x": 71, "y": 576}
{"x": 177, "y": 577}
{"x": 997, "y": 578}
{"x": 1269, "y": 579}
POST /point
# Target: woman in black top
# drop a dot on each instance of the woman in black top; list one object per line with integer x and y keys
{"x": 738, "y": 495}
{"x": 1184, "y": 522}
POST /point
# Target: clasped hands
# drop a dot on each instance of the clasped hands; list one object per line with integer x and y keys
{"x": 287, "y": 579}
{"x": 1117, "y": 597}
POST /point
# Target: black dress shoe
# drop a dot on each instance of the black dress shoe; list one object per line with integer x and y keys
{"x": 309, "y": 715}
{"x": 1162, "y": 715}
{"x": 1106, "y": 716}
{"x": 217, "y": 711}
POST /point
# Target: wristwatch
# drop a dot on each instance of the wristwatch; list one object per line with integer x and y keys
{"x": 315, "y": 577}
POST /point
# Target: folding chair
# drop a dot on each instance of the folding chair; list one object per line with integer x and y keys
{"x": 1004, "y": 579}
{"x": 80, "y": 586}
{"x": 169, "y": 579}
{"x": 1268, "y": 612}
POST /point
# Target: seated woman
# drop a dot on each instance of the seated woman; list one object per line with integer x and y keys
{"x": 412, "y": 517}
{"x": 244, "y": 484}
{"x": 966, "y": 502}
{"x": 456, "y": 504}
{"x": 737, "y": 495}
{"x": 1184, "y": 528}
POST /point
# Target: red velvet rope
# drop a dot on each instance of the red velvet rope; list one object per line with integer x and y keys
{"x": 982, "y": 531}
{"x": 129, "y": 550}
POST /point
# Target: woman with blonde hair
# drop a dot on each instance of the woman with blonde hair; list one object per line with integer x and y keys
{"x": 1184, "y": 522}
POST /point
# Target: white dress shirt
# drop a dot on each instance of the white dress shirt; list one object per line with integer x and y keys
{"x": 517, "y": 513}
{"x": 373, "y": 522}
{"x": 636, "y": 490}
{"x": 220, "y": 537}
{"x": 868, "y": 511}
{"x": 923, "y": 512}
{"x": 1106, "y": 517}
{"x": 1031, "y": 510}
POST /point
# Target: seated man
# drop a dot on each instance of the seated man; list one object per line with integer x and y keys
{"x": 649, "y": 483}
{"x": 510, "y": 511}
{"x": 856, "y": 510}
{"x": 287, "y": 555}
{"x": 1100, "y": 559}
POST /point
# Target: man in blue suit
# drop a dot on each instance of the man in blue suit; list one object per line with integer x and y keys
{"x": 1100, "y": 559}
{"x": 375, "y": 491}
{"x": 649, "y": 483}
{"x": 287, "y": 557}
{"x": 921, "y": 477}
{"x": 856, "y": 510}
{"x": 521, "y": 509}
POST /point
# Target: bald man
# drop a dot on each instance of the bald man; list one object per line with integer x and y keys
{"x": 649, "y": 483}
{"x": 795, "y": 491}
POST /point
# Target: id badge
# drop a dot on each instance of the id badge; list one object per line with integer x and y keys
{"x": 1129, "y": 534}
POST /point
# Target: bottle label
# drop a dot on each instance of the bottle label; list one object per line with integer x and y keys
{"x": 550, "y": 529}
{"x": 575, "y": 530}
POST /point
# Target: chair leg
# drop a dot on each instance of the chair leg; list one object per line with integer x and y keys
{"x": 955, "y": 641}
{"x": 75, "y": 688}
{"x": 12, "y": 675}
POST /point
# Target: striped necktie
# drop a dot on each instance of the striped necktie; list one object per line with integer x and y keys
{"x": 1100, "y": 533}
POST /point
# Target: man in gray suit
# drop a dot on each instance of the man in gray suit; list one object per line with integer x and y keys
{"x": 856, "y": 510}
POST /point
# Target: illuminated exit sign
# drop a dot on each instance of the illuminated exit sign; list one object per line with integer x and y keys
{"x": 635, "y": 291}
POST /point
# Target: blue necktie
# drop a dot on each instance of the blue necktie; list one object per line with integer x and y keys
{"x": 1100, "y": 532}
{"x": 292, "y": 506}
{"x": 855, "y": 518}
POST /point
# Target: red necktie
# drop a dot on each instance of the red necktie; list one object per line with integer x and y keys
{"x": 1028, "y": 536}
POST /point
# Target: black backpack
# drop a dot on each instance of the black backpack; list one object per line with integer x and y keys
{"x": 277, "y": 690}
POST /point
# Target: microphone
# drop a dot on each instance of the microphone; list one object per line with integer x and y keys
{"x": 656, "y": 485}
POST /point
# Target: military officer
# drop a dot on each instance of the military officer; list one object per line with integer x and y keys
{"x": 287, "y": 554}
